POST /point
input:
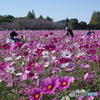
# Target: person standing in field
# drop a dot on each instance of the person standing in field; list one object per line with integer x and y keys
{"x": 69, "y": 32}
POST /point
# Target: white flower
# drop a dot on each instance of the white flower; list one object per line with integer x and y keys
{"x": 10, "y": 70}
{"x": 45, "y": 54}
{"x": 46, "y": 64}
{"x": 76, "y": 44}
{"x": 7, "y": 40}
{"x": 22, "y": 64}
{"x": 18, "y": 57}
{"x": 65, "y": 98}
{"x": 80, "y": 54}
{"x": 66, "y": 54}
{"x": 8, "y": 58}
{"x": 53, "y": 59}
{"x": 64, "y": 65}
{"x": 18, "y": 74}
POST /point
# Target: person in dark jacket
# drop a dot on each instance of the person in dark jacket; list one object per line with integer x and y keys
{"x": 89, "y": 32}
{"x": 12, "y": 36}
{"x": 69, "y": 32}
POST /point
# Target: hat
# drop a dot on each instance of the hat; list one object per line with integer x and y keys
{"x": 66, "y": 28}
{"x": 13, "y": 33}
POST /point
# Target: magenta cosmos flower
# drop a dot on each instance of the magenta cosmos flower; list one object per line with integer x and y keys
{"x": 50, "y": 47}
{"x": 30, "y": 66}
{"x": 3, "y": 65}
{"x": 65, "y": 60}
{"x": 65, "y": 82}
{"x": 35, "y": 94}
{"x": 49, "y": 85}
{"x": 88, "y": 78}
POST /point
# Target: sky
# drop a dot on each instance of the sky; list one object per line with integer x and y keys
{"x": 55, "y": 9}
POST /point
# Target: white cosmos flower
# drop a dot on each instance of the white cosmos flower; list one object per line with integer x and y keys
{"x": 66, "y": 54}
{"x": 79, "y": 54}
{"x": 10, "y": 70}
{"x": 45, "y": 54}
{"x": 8, "y": 58}
{"x": 22, "y": 64}
{"x": 18, "y": 57}
{"x": 64, "y": 65}
{"x": 76, "y": 44}
{"x": 53, "y": 59}
{"x": 46, "y": 64}
{"x": 65, "y": 98}
{"x": 18, "y": 74}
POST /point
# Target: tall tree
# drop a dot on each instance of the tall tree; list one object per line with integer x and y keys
{"x": 29, "y": 15}
{"x": 73, "y": 24}
{"x": 33, "y": 13}
{"x": 49, "y": 19}
{"x": 66, "y": 22}
{"x": 40, "y": 17}
{"x": 82, "y": 25}
{"x": 95, "y": 19}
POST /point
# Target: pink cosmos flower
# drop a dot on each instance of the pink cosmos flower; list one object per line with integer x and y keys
{"x": 30, "y": 66}
{"x": 35, "y": 94}
{"x": 14, "y": 47}
{"x": 84, "y": 66}
{"x": 6, "y": 46}
{"x": 19, "y": 44}
{"x": 50, "y": 47}
{"x": 90, "y": 98}
{"x": 49, "y": 85}
{"x": 70, "y": 66}
{"x": 88, "y": 78}
{"x": 32, "y": 75}
{"x": 39, "y": 51}
{"x": 65, "y": 60}
{"x": 3, "y": 65}
{"x": 65, "y": 82}
{"x": 98, "y": 93}
{"x": 81, "y": 98}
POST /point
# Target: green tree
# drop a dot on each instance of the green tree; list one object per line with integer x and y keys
{"x": 95, "y": 19}
{"x": 30, "y": 15}
{"x": 82, "y": 25}
{"x": 33, "y": 13}
{"x": 66, "y": 22}
{"x": 73, "y": 24}
{"x": 40, "y": 17}
{"x": 49, "y": 19}
{"x": 9, "y": 18}
{"x": 2, "y": 18}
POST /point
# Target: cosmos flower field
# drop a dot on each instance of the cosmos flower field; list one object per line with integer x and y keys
{"x": 47, "y": 66}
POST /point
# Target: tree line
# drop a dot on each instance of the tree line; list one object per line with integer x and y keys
{"x": 31, "y": 22}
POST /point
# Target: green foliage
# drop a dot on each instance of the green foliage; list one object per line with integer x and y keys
{"x": 82, "y": 25}
{"x": 66, "y": 22}
{"x": 73, "y": 24}
{"x": 40, "y": 17}
{"x": 49, "y": 19}
{"x": 95, "y": 20}
{"x": 30, "y": 15}
{"x": 6, "y": 18}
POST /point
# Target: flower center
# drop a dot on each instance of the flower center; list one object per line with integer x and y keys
{"x": 37, "y": 96}
{"x": 64, "y": 83}
{"x": 32, "y": 64}
{"x": 50, "y": 87}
